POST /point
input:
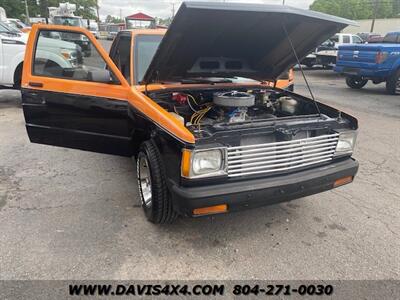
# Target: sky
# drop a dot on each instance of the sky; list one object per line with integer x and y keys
{"x": 163, "y": 8}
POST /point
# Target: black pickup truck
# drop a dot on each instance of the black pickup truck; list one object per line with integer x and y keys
{"x": 198, "y": 107}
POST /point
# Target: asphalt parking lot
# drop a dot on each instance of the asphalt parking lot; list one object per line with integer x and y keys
{"x": 68, "y": 214}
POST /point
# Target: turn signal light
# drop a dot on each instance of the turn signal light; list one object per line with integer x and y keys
{"x": 342, "y": 181}
{"x": 217, "y": 209}
{"x": 185, "y": 163}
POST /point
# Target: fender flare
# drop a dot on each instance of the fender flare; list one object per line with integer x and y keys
{"x": 396, "y": 66}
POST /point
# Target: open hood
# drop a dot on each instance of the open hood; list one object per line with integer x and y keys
{"x": 235, "y": 39}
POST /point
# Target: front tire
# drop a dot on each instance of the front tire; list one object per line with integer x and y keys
{"x": 393, "y": 83}
{"x": 356, "y": 82}
{"x": 153, "y": 191}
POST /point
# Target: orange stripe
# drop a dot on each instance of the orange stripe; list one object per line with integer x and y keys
{"x": 159, "y": 115}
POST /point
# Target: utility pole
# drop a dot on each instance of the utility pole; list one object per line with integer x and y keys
{"x": 374, "y": 15}
{"x": 173, "y": 9}
{"x": 283, "y": 2}
{"x": 97, "y": 11}
{"x": 27, "y": 12}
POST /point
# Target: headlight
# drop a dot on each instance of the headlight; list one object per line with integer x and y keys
{"x": 70, "y": 55}
{"x": 346, "y": 143}
{"x": 203, "y": 163}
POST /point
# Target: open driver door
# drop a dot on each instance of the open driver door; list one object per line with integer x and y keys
{"x": 72, "y": 93}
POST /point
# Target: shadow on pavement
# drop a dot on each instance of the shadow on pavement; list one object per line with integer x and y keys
{"x": 10, "y": 98}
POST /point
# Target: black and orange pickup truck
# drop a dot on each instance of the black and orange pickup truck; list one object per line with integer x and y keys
{"x": 198, "y": 106}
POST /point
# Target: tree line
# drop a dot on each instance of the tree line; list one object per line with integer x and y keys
{"x": 358, "y": 9}
{"x": 16, "y": 8}
{"x": 350, "y": 9}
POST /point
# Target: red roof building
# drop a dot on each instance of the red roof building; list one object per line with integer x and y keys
{"x": 140, "y": 17}
{"x": 140, "y": 20}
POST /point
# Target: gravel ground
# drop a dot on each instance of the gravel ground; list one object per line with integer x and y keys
{"x": 68, "y": 214}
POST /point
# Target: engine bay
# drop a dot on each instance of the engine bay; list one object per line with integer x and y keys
{"x": 199, "y": 110}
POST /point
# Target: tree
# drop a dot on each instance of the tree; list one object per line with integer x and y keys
{"x": 358, "y": 9}
{"x": 13, "y": 8}
{"x": 163, "y": 22}
{"x": 396, "y": 8}
{"x": 114, "y": 20}
{"x": 85, "y": 8}
{"x": 16, "y": 8}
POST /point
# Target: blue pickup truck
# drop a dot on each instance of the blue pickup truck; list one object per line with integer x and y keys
{"x": 376, "y": 62}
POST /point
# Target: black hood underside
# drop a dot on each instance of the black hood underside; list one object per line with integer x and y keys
{"x": 233, "y": 39}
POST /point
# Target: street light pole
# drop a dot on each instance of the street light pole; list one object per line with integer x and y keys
{"x": 27, "y": 12}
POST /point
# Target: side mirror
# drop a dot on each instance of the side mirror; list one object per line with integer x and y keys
{"x": 101, "y": 75}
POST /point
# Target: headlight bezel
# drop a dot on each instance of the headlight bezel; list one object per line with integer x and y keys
{"x": 187, "y": 171}
{"x": 348, "y": 137}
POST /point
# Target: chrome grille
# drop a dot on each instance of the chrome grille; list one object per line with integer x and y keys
{"x": 280, "y": 156}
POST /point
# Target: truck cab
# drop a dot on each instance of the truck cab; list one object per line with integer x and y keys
{"x": 12, "y": 51}
{"x": 201, "y": 114}
{"x": 326, "y": 53}
{"x": 18, "y": 24}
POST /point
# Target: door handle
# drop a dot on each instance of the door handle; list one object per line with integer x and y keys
{"x": 36, "y": 84}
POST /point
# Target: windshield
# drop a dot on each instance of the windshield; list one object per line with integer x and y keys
{"x": 327, "y": 43}
{"x": 19, "y": 24}
{"x": 67, "y": 21}
{"x": 7, "y": 29}
{"x": 145, "y": 48}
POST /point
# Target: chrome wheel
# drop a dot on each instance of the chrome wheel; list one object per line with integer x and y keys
{"x": 144, "y": 178}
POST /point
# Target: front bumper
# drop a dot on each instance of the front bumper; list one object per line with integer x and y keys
{"x": 260, "y": 192}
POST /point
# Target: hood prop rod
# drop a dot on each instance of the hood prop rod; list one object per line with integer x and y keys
{"x": 301, "y": 69}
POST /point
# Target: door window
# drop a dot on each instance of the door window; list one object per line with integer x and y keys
{"x": 335, "y": 38}
{"x": 357, "y": 40}
{"x": 69, "y": 55}
{"x": 121, "y": 54}
{"x": 346, "y": 39}
{"x": 390, "y": 38}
